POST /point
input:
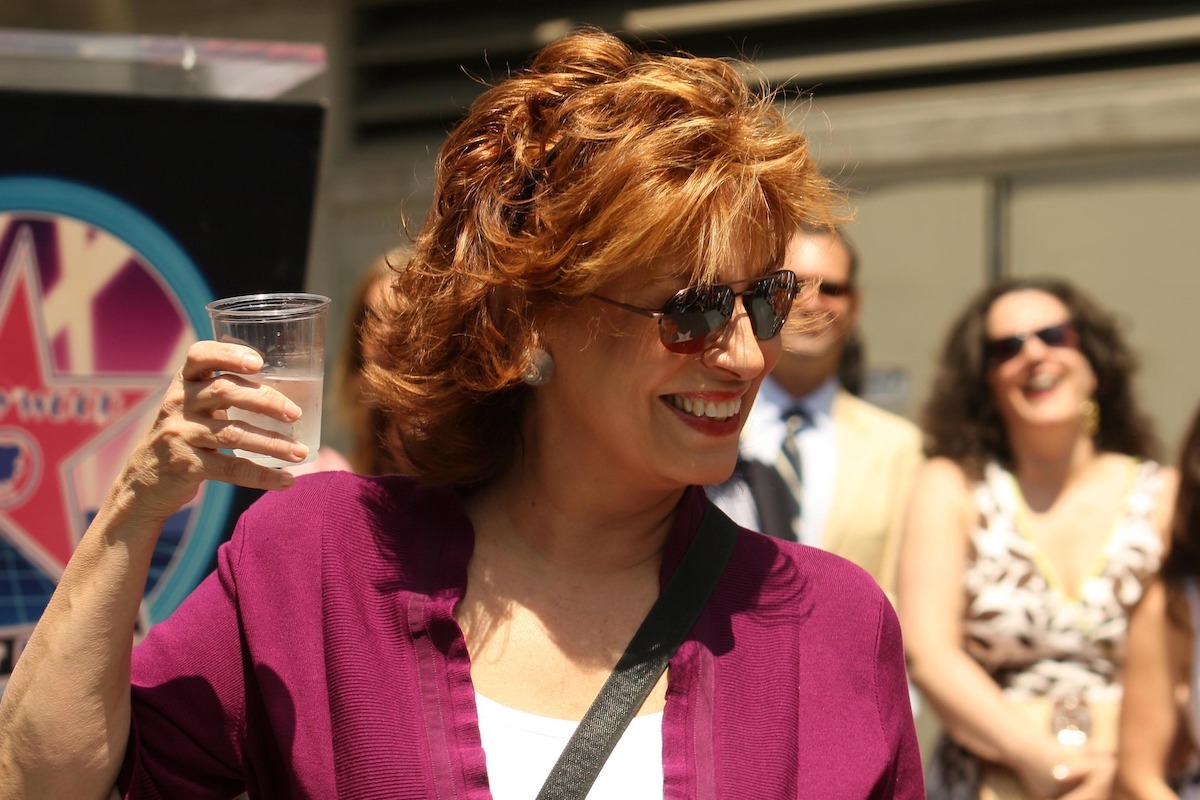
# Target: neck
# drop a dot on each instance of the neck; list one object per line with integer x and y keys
{"x": 556, "y": 520}
{"x": 800, "y": 375}
{"x": 1045, "y": 460}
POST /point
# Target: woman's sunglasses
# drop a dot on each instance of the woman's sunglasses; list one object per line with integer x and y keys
{"x": 997, "y": 351}
{"x": 692, "y": 317}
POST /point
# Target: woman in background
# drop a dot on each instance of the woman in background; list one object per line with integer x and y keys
{"x": 1160, "y": 715}
{"x": 1031, "y": 533}
{"x": 365, "y": 420}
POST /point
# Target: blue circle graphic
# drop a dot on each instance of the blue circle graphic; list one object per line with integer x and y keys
{"x": 128, "y": 224}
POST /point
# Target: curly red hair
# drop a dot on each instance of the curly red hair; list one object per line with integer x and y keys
{"x": 594, "y": 161}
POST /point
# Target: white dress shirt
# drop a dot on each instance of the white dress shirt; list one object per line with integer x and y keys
{"x": 762, "y": 440}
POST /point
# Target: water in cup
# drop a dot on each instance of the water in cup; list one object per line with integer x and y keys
{"x": 304, "y": 392}
{"x": 288, "y": 331}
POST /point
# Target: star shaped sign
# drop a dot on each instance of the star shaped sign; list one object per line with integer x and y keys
{"x": 49, "y": 423}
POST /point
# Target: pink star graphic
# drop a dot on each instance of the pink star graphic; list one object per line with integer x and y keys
{"x": 58, "y": 419}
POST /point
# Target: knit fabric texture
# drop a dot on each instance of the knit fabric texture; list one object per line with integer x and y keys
{"x": 322, "y": 660}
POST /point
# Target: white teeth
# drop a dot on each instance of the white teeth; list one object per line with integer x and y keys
{"x": 1043, "y": 381}
{"x": 707, "y": 408}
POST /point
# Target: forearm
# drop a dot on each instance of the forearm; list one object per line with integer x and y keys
{"x": 972, "y": 708}
{"x": 1152, "y": 737}
{"x": 1151, "y": 787}
{"x": 64, "y": 716}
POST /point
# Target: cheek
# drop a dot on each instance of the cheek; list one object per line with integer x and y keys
{"x": 617, "y": 367}
{"x": 1088, "y": 380}
{"x": 841, "y": 308}
{"x": 1000, "y": 381}
{"x": 772, "y": 350}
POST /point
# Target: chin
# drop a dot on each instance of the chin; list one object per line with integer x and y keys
{"x": 705, "y": 471}
{"x": 706, "y": 477}
{"x": 1048, "y": 418}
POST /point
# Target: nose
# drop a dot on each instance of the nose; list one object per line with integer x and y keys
{"x": 736, "y": 349}
{"x": 1033, "y": 348}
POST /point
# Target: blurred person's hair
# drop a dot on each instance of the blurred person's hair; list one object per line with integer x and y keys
{"x": 1183, "y": 559}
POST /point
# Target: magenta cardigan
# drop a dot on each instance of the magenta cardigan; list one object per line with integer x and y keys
{"x": 321, "y": 660}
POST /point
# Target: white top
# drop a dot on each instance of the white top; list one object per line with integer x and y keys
{"x": 521, "y": 748}
{"x": 762, "y": 440}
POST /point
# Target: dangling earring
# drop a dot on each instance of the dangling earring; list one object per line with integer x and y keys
{"x": 540, "y": 368}
{"x": 1090, "y": 411}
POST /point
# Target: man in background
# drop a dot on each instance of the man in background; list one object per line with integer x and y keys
{"x": 846, "y": 465}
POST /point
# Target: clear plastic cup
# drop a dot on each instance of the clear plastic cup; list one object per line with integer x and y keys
{"x": 288, "y": 331}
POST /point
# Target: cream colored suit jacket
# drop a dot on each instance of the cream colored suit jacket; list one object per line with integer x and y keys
{"x": 878, "y": 456}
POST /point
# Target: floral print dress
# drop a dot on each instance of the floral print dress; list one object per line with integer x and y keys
{"x": 1031, "y": 636}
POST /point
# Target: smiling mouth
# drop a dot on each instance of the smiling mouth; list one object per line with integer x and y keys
{"x": 1042, "y": 382}
{"x": 706, "y": 408}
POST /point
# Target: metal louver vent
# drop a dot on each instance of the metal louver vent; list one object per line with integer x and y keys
{"x": 417, "y": 64}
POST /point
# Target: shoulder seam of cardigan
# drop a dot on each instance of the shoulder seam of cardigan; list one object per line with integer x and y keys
{"x": 879, "y": 615}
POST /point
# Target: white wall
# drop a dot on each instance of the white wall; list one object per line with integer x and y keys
{"x": 1104, "y": 177}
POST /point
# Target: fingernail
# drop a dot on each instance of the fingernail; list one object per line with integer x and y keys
{"x": 252, "y": 363}
{"x": 299, "y": 452}
{"x": 286, "y": 479}
{"x": 292, "y": 411}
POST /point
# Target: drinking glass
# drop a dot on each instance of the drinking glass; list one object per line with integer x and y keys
{"x": 288, "y": 331}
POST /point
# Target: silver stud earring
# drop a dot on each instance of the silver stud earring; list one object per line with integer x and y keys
{"x": 540, "y": 368}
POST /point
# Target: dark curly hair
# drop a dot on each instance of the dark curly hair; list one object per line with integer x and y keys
{"x": 960, "y": 419}
{"x": 593, "y": 162}
{"x": 1183, "y": 560}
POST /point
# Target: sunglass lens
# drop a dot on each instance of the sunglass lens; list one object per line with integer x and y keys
{"x": 1058, "y": 335}
{"x": 1000, "y": 350}
{"x": 833, "y": 289}
{"x": 693, "y": 315}
{"x": 769, "y": 302}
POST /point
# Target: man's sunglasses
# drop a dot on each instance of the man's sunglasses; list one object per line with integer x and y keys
{"x": 831, "y": 289}
{"x": 997, "y": 351}
{"x": 689, "y": 320}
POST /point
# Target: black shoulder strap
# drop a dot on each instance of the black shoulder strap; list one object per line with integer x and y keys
{"x": 644, "y": 660}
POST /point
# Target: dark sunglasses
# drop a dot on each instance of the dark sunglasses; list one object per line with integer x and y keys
{"x": 692, "y": 317}
{"x": 997, "y": 351}
{"x": 830, "y": 289}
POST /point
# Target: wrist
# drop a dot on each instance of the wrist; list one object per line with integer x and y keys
{"x": 1036, "y": 757}
{"x": 148, "y": 495}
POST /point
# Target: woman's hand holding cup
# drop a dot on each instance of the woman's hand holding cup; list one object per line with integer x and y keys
{"x": 182, "y": 448}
